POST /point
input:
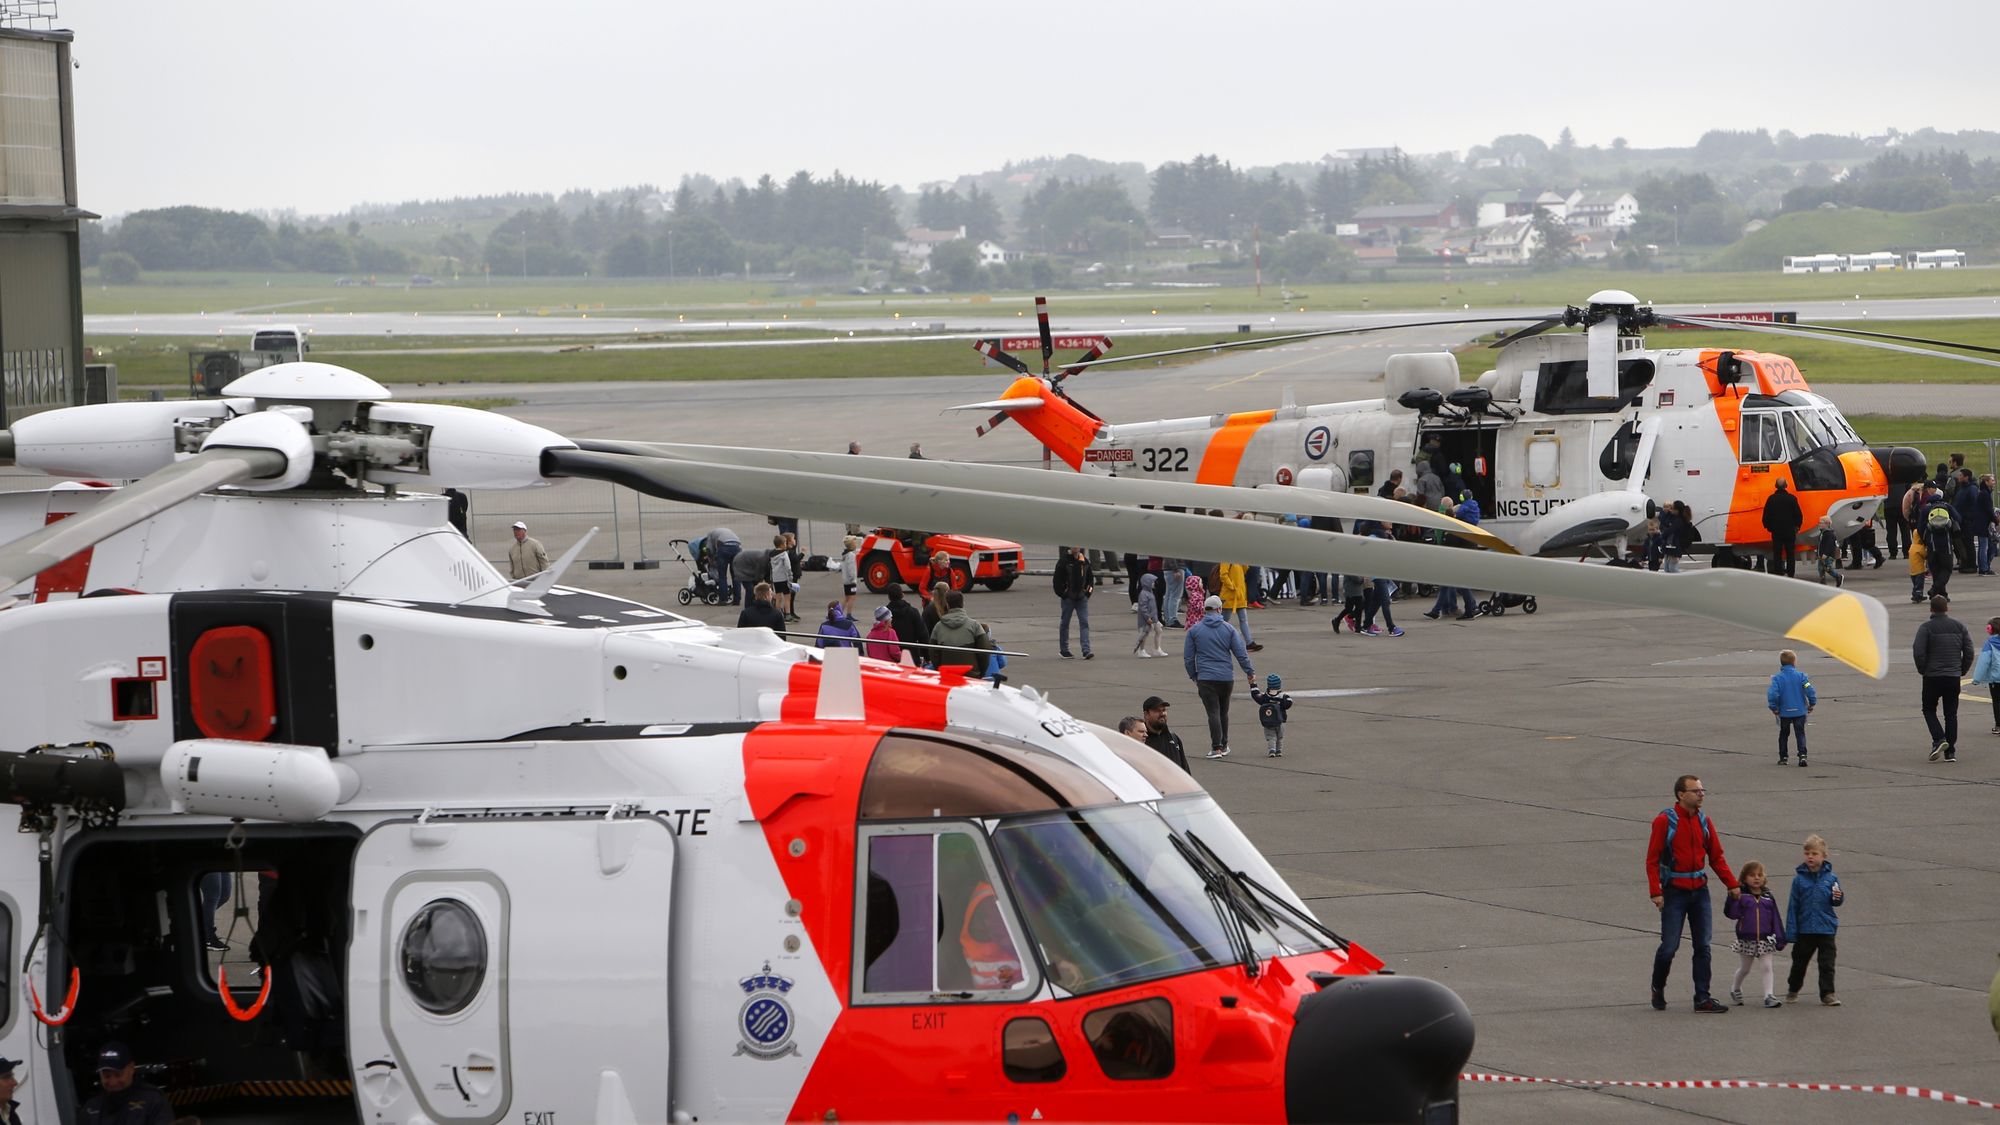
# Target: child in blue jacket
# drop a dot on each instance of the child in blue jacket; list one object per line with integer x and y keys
{"x": 1791, "y": 698}
{"x": 1272, "y": 704}
{"x": 1810, "y": 923}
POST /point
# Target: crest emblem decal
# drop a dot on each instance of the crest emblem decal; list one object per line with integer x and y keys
{"x": 765, "y": 1022}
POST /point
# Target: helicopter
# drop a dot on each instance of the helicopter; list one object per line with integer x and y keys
{"x": 522, "y": 851}
{"x": 1569, "y": 444}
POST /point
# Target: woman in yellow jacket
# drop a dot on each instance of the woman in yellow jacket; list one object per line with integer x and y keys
{"x": 1236, "y": 601}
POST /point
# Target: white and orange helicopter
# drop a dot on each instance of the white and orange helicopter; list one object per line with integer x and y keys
{"x": 522, "y": 852}
{"x": 1570, "y": 443}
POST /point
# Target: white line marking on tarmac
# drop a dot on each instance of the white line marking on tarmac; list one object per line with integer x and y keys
{"x": 1330, "y": 693}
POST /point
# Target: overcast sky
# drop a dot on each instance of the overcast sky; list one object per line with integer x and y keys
{"x": 271, "y": 104}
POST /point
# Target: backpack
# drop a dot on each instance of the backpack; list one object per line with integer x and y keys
{"x": 1269, "y": 714}
{"x": 1667, "y": 874}
{"x": 1939, "y": 517}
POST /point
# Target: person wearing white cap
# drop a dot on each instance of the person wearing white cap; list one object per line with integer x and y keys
{"x": 527, "y": 556}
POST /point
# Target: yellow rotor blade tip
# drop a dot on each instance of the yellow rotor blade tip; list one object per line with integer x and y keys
{"x": 1840, "y": 629}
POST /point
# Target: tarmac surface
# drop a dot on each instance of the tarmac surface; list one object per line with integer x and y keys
{"x": 1471, "y": 801}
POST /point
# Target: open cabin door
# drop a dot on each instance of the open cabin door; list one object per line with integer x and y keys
{"x": 511, "y": 969}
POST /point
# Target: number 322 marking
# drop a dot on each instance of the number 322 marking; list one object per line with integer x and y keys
{"x": 1163, "y": 459}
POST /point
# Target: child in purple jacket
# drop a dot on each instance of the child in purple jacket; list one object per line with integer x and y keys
{"x": 1760, "y": 931}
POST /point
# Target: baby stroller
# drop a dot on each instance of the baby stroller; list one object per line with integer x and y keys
{"x": 1500, "y": 603}
{"x": 700, "y": 584}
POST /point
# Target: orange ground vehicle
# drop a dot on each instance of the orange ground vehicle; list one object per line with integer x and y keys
{"x": 889, "y": 555}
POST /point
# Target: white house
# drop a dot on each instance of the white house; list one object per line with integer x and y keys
{"x": 917, "y": 243}
{"x": 992, "y": 253}
{"x": 1589, "y": 210}
{"x": 1496, "y": 207}
{"x": 1508, "y": 242}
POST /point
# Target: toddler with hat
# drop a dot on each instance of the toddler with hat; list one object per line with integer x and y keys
{"x": 881, "y": 643}
{"x": 1272, "y": 703}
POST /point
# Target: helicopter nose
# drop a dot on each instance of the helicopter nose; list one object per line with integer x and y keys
{"x": 1901, "y": 464}
{"x": 1377, "y": 1049}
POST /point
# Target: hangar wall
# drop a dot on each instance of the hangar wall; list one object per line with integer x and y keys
{"x": 41, "y": 270}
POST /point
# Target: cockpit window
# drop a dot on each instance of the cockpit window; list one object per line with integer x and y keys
{"x": 914, "y": 778}
{"x": 1761, "y": 440}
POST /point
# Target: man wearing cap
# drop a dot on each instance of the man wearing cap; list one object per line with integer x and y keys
{"x": 527, "y": 556}
{"x": 1154, "y": 711}
{"x": 1212, "y": 643}
{"x": 125, "y": 1100}
{"x": 10, "y": 1110}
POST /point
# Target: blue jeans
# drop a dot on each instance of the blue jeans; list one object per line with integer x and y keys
{"x": 1693, "y": 908}
{"x": 1384, "y": 593}
{"x": 723, "y": 570}
{"x": 215, "y": 889}
{"x": 1447, "y": 601}
{"x": 1174, "y": 593}
{"x": 1983, "y": 549}
{"x": 1786, "y": 725}
{"x": 1080, "y": 608}
{"x": 1243, "y": 624}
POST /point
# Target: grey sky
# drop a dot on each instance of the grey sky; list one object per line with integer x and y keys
{"x": 318, "y": 106}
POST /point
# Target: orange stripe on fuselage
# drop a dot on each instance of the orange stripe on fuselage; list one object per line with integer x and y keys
{"x": 1225, "y": 450}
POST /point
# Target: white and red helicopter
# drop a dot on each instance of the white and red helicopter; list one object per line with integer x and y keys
{"x": 523, "y": 852}
{"x": 1571, "y": 441}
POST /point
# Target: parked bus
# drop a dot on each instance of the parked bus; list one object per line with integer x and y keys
{"x": 1935, "y": 260}
{"x": 1815, "y": 263}
{"x": 1868, "y": 263}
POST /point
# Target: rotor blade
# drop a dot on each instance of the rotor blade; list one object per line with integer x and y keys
{"x": 1845, "y": 331}
{"x": 1775, "y": 330}
{"x": 135, "y": 503}
{"x": 992, "y": 351}
{"x": 1003, "y": 405}
{"x": 1229, "y": 345}
{"x": 1048, "y": 342}
{"x": 1072, "y": 368}
{"x": 1088, "y": 487}
{"x": 1850, "y": 627}
{"x": 1534, "y": 329}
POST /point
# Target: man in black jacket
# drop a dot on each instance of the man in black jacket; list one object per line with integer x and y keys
{"x": 1073, "y": 586}
{"x": 908, "y": 623}
{"x": 1943, "y": 652}
{"x": 1783, "y": 519}
{"x": 1158, "y": 736}
{"x": 762, "y": 612}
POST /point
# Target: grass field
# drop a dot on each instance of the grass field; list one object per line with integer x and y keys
{"x": 277, "y": 295}
{"x": 1902, "y": 428}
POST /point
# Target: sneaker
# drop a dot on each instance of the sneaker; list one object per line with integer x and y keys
{"x": 1659, "y": 999}
{"x": 1709, "y": 1006}
{"x": 1270, "y": 753}
{"x": 1838, "y": 581}
{"x": 1277, "y": 753}
{"x": 1066, "y": 656}
{"x": 1144, "y": 655}
{"x": 1771, "y": 1001}
{"x": 1791, "y": 997}
{"x": 1373, "y": 630}
{"x": 1432, "y": 614}
{"x": 1090, "y": 656}
{"x": 1802, "y": 761}
{"x": 1253, "y": 646}
{"x": 1937, "y": 751}
{"x": 217, "y": 944}
{"x": 1395, "y": 632}
{"x": 1225, "y": 752}
{"x": 1951, "y": 759}
{"x": 1830, "y": 1000}
{"x": 1216, "y": 753}
{"x": 1736, "y": 997}
{"x": 1159, "y": 652}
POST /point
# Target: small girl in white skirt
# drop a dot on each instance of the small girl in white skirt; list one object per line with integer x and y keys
{"x": 1760, "y": 932}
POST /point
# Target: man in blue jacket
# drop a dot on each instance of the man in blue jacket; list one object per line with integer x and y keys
{"x": 1791, "y": 698}
{"x": 1212, "y": 643}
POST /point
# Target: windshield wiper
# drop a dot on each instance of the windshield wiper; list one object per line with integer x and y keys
{"x": 1265, "y": 898}
{"x": 1223, "y": 896}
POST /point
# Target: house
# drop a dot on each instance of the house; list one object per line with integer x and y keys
{"x": 1496, "y": 207}
{"x": 915, "y": 247}
{"x": 1508, "y": 242}
{"x": 1173, "y": 236}
{"x": 1390, "y": 218}
{"x": 1590, "y": 210}
{"x": 992, "y": 253}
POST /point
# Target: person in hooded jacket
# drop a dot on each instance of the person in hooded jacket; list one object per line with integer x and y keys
{"x": 1148, "y": 610}
{"x": 1211, "y": 644}
{"x": 882, "y": 642}
{"x": 909, "y": 623}
{"x": 1986, "y": 667}
{"x": 1810, "y": 921}
{"x": 838, "y": 630}
{"x": 961, "y": 633}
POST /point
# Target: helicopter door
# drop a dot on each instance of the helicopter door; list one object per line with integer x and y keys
{"x": 490, "y": 958}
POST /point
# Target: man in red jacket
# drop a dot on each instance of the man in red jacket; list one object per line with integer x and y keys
{"x": 1683, "y": 845}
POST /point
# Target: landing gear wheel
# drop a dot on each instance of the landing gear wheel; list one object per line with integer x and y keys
{"x": 686, "y": 596}
{"x": 878, "y": 570}
{"x": 1529, "y": 606}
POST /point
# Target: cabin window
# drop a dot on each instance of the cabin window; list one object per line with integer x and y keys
{"x": 1544, "y": 462}
{"x": 1361, "y": 469}
{"x": 1761, "y": 442}
{"x": 1029, "y": 1052}
{"x": 934, "y": 923}
{"x": 1563, "y": 387}
{"x": 1133, "y": 1041}
{"x": 443, "y": 956}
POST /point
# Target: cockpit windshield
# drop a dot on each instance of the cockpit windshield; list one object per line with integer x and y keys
{"x": 1111, "y": 900}
{"x": 1790, "y": 426}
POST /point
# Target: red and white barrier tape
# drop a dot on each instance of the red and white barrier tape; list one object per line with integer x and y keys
{"x": 1918, "y": 1092}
